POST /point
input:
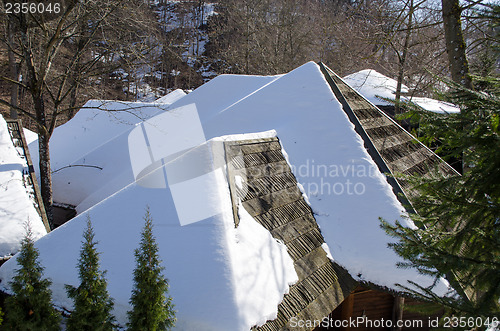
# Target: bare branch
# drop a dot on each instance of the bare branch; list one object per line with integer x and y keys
{"x": 12, "y": 81}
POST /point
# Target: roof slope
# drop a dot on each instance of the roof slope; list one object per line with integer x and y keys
{"x": 328, "y": 158}
{"x": 16, "y": 206}
{"x": 87, "y": 151}
{"x": 261, "y": 179}
{"x": 394, "y": 149}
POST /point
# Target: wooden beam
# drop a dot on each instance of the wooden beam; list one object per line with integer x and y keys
{"x": 397, "y": 312}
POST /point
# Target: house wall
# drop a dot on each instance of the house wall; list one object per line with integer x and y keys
{"x": 377, "y": 309}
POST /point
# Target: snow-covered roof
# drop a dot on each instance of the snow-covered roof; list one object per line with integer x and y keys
{"x": 435, "y": 106}
{"x": 171, "y": 97}
{"x": 376, "y": 87}
{"x": 111, "y": 165}
{"x": 16, "y": 205}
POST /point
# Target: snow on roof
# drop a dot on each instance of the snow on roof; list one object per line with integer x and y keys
{"x": 171, "y": 97}
{"x": 435, "y": 106}
{"x": 30, "y": 136}
{"x": 85, "y": 152}
{"x": 212, "y": 267}
{"x": 16, "y": 206}
{"x": 374, "y": 86}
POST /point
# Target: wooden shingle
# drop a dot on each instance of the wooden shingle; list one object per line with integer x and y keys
{"x": 272, "y": 197}
{"x": 394, "y": 150}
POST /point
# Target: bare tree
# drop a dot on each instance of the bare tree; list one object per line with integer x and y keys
{"x": 264, "y": 36}
{"x": 416, "y": 41}
{"x": 58, "y": 50}
{"x": 480, "y": 26}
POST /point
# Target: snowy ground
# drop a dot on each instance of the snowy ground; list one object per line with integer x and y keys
{"x": 221, "y": 278}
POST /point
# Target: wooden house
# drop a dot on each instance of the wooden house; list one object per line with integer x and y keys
{"x": 269, "y": 126}
{"x": 274, "y": 200}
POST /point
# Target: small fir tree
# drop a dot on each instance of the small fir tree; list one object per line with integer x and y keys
{"x": 30, "y": 307}
{"x": 92, "y": 303}
{"x": 458, "y": 217}
{"x": 152, "y": 307}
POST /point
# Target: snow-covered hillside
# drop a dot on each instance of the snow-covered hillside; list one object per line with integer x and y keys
{"x": 115, "y": 164}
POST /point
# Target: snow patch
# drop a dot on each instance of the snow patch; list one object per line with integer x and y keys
{"x": 374, "y": 86}
{"x": 435, "y": 106}
{"x": 327, "y": 250}
{"x": 171, "y": 97}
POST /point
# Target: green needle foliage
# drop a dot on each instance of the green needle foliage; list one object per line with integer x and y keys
{"x": 30, "y": 307}
{"x": 92, "y": 303}
{"x": 459, "y": 217}
{"x": 152, "y": 307}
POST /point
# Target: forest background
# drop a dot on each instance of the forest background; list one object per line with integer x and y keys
{"x": 51, "y": 63}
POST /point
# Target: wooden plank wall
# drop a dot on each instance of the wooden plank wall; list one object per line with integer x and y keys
{"x": 378, "y": 305}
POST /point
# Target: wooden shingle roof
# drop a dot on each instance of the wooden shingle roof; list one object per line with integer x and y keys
{"x": 394, "y": 150}
{"x": 271, "y": 196}
{"x": 262, "y": 182}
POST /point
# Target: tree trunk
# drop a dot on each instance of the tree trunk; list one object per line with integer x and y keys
{"x": 35, "y": 86}
{"x": 75, "y": 84}
{"x": 72, "y": 101}
{"x": 46, "y": 177}
{"x": 14, "y": 70}
{"x": 397, "y": 312}
{"x": 75, "y": 77}
{"x": 455, "y": 44}
{"x": 44, "y": 160}
{"x": 402, "y": 59}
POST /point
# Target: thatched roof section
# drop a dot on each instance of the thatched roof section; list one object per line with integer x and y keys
{"x": 393, "y": 148}
{"x": 271, "y": 196}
